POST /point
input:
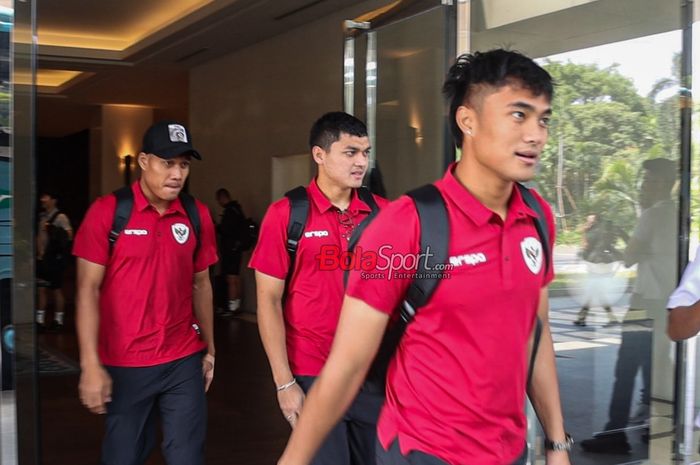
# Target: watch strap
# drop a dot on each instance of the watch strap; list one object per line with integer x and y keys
{"x": 559, "y": 446}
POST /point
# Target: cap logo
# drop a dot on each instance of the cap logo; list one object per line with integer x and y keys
{"x": 177, "y": 133}
{"x": 531, "y": 249}
{"x": 180, "y": 232}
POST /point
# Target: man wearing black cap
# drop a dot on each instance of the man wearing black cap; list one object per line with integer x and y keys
{"x": 144, "y": 309}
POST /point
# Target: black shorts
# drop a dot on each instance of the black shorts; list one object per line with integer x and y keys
{"x": 231, "y": 263}
{"x": 49, "y": 272}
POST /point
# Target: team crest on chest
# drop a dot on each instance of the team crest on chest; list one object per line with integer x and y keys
{"x": 180, "y": 232}
{"x": 532, "y": 254}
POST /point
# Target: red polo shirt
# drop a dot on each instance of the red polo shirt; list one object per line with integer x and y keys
{"x": 314, "y": 294}
{"x": 456, "y": 387}
{"x": 146, "y": 312}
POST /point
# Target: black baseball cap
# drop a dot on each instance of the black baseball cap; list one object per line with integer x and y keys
{"x": 662, "y": 167}
{"x": 169, "y": 139}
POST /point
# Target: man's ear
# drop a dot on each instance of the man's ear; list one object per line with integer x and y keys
{"x": 318, "y": 154}
{"x": 142, "y": 159}
{"x": 465, "y": 117}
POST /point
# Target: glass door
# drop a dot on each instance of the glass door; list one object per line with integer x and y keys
{"x": 611, "y": 173}
{"x": 395, "y": 62}
{"x": 19, "y": 438}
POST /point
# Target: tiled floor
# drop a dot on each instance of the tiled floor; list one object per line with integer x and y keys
{"x": 568, "y": 339}
{"x": 245, "y": 427}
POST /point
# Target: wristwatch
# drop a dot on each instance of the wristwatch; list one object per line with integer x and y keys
{"x": 557, "y": 446}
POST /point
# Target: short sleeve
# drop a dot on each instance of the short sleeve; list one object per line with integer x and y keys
{"x": 387, "y": 257}
{"x": 92, "y": 239}
{"x": 688, "y": 292}
{"x": 63, "y": 222}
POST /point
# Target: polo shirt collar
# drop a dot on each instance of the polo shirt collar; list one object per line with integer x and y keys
{"x": 323, "y": 204}
{"x": 141, "y": 202}
{"x": 473, "y": 208}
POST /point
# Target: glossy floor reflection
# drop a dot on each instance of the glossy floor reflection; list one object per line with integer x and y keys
{"x": 586, "y": 362}
{"x": 8, "y": 428}
{"x": 245, "y": 426}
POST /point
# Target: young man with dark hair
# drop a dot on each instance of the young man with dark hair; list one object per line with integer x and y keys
{"x": 53, "y": 249}
{"x": 230, "y": 229}
{"x": 456, "y": 386}
{"x": 144, "y": 308}
{"x": 299, "y": 300}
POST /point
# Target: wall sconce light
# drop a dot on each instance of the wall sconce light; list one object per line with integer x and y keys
{"x": 127, "y": 169}
{"x": 417, "y": 135}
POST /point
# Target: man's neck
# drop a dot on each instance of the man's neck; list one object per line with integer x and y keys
{"x": 159, "y": 204}
{"x": 492, "y": 191}
{"x": 340, "y": 197}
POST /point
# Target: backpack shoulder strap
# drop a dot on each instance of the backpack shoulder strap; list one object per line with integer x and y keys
{"x": 53, "y": 217}
{"x": 366, "y": 196}
{"x": 543, "y": 232}
{"x": 540, "y": 222}
{"x": 190, "y": 206}
{"x": 434, "y": 244}
{"x": 122, "y": 213}
{"x": 298, "y": 215}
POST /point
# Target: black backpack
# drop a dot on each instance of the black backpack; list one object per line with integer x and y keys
{"x": 249, "y": 233}
{"x": 58, "y": 245}
{"x": 238, "y": 232}
{"x": 125, "y": 203}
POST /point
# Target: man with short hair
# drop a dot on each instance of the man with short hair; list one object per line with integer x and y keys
{"x": 53, "y": 248}
{"x": 456, "y": 386}
{"x": 230, "y": 228}
{"x": 144, "y": 309}
{"x": 299, "y": 301}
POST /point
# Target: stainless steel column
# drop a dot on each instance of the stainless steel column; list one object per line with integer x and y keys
{"x": 22, "y": 145}
{"x": 685, "y": 351}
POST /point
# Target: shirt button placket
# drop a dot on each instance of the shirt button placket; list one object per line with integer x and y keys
{"x": 507, "y": 261}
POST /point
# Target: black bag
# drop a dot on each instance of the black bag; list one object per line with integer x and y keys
{"x": 238, "y": 232}
{"x": 600, "y": 244}
{"x": 58, "y": 245}
{"x": 249, "y": 234}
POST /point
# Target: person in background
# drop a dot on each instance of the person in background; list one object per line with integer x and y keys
{"x": 231, "y": 229}
{"x": 54, "y": 235}
{"x": 600, "y": 253}
{"x": 652, "y": 247}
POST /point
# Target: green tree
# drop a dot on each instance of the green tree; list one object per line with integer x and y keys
{"x": 601, "y": 131}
